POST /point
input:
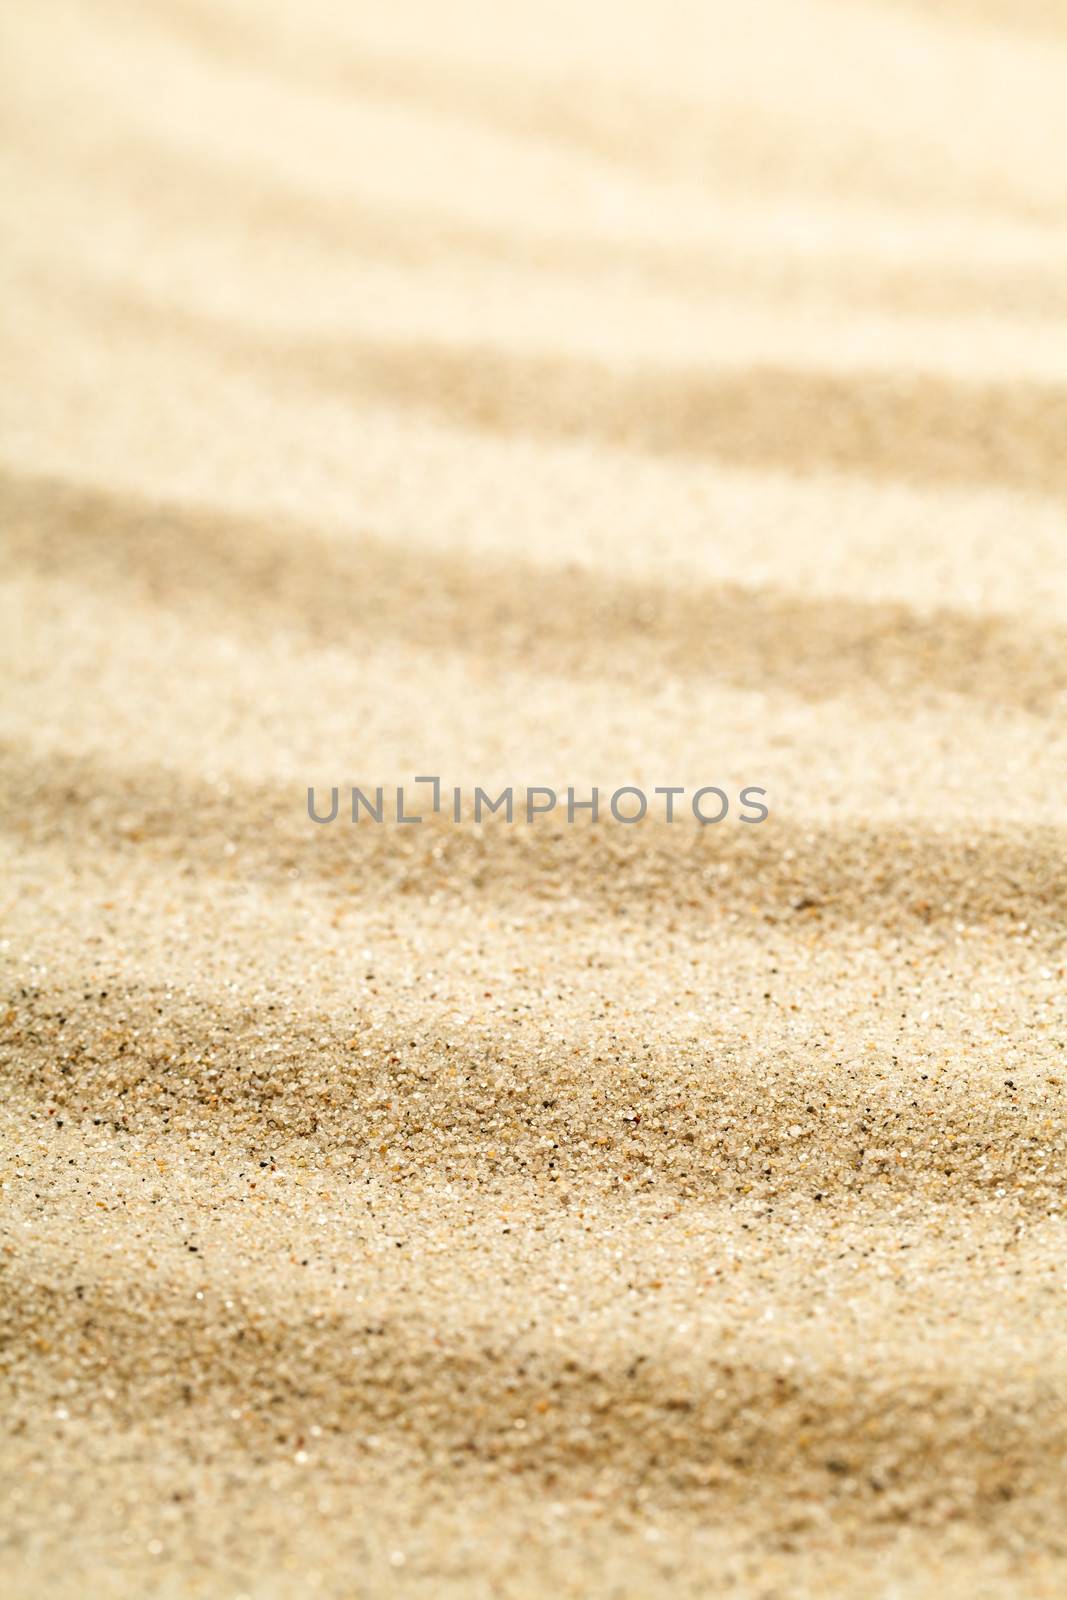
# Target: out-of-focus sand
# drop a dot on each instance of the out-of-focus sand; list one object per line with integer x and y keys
{"x": 635, "y": 393}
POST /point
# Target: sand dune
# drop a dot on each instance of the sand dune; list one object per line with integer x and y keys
{"x": 635, "y": 395}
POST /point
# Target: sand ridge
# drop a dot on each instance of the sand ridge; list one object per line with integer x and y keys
{"x": 615, "y": 395}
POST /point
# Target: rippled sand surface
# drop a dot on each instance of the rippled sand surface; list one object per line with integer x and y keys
{"x": 569, "y": 394}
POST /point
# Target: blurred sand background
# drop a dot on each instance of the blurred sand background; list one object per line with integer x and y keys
{"x": 653, "y": 393}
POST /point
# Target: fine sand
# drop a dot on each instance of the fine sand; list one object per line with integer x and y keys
{"x": 659, "y": 393}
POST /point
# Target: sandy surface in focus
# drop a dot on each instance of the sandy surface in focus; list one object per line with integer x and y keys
{"x": 642, "y": 393}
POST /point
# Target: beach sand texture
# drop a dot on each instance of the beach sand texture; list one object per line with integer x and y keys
{"x": 662, "y": 392}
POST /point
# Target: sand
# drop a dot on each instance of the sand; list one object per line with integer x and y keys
{"x": 635, "y": 394}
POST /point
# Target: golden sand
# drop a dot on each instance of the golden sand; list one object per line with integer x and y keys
{"x": 640, "y": 394}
